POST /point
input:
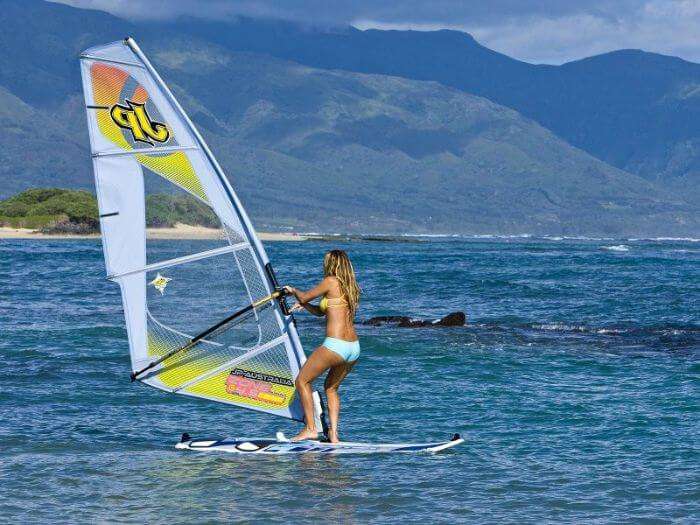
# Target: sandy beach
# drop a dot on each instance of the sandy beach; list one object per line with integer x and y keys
{"x": 180, "y": 231}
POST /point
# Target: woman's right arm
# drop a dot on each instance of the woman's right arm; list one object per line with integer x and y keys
{"x": 317, "y": 291}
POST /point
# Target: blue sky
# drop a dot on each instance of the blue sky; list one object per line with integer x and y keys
{"x": 539, "y": 31}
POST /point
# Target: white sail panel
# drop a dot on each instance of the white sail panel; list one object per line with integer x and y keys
{"x": 119, "y": 186}
{"x": 138, "y": 131}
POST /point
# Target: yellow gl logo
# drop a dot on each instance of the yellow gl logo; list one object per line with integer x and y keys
{"x": 134, "y": 117}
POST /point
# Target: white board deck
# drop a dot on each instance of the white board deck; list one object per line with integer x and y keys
{"x": 275, "y": 446}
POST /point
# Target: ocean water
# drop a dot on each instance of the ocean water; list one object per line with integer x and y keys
{"x": 576, "y": 385}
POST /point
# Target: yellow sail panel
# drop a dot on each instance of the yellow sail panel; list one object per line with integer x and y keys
{"x": 175, "y": 167}
{"x": 174, "y": 372}
{"x": 234, "y": 386}
{"x": 188, "y": 365}
{"x": 125, "y": 119}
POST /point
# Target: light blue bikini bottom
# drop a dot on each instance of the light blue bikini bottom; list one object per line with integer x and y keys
{"x": 348, "y": 350}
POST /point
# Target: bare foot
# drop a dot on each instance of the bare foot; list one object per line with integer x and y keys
{"x": 305, "y": 434}
{"x": 333, "y": 436}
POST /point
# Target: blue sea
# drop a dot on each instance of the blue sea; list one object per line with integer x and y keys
{"x": 576, "y": 384}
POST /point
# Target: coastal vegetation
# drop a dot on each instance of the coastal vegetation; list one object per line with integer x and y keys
{"x": 51, "y": 210}
{"x": 165, "y": 211}
{"x": 60, "y": 211}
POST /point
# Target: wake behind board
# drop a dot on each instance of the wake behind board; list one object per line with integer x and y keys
{"x": 283, "y": 446}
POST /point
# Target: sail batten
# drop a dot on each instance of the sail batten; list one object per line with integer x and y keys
{"x": 182, "y": 260}
{"x": 150, "y": 151}
{"x": 142, "y": 140}
{"x": 111, "y": 61}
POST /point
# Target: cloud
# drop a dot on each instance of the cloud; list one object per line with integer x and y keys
{"x": 671, "y": 28}
{"x": 540, "y": 31}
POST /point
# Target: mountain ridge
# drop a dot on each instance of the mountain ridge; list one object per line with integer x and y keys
{"x": 400, "y": 154}
{"x": 660, "y": 142}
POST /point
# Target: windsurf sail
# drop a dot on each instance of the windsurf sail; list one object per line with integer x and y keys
{"x": 203, "y": 317}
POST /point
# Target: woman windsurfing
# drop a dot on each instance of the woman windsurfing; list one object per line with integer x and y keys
{"x": 340, "y": 350}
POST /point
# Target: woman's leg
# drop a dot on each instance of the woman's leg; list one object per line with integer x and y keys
{"x": 318, "y": 362}
{"x": 335, "y": 376}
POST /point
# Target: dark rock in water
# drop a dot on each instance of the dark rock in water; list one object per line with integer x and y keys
{"x": 453, "y": 319}
{"x": 402, "y": 321}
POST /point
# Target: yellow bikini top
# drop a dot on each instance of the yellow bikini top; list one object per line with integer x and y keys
{"x": 326, "y": 303}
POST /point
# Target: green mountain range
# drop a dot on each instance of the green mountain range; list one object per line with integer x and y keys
{"x": 317, "y": 148}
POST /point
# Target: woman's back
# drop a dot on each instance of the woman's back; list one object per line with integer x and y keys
{"x": 340, "y": 321}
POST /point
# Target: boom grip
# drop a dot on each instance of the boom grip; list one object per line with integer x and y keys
{"x": 275, "y": 283}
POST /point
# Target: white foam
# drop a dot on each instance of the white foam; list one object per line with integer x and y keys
{"x": 672, "y": 239}
{"x": 560, "y": 327}
{"x": 432, "y": 235}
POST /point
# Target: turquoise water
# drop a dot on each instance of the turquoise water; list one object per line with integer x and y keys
{"x": 576, "y": 385}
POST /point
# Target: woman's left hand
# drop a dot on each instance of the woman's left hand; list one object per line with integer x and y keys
{"x": 296, "y": 308}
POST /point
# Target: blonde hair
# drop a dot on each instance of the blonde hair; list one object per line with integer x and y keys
{"x": 336, "y": 263}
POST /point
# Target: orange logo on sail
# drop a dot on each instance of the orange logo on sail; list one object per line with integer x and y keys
{"x": 134, "y": 117}
{"x": 252, "y": 389}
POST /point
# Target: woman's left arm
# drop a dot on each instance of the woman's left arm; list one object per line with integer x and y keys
{"x": 311, "y": 308}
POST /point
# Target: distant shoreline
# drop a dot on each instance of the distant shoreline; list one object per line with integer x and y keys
{"x": 187, "y": 232}
{"x": 178, "y": 232}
